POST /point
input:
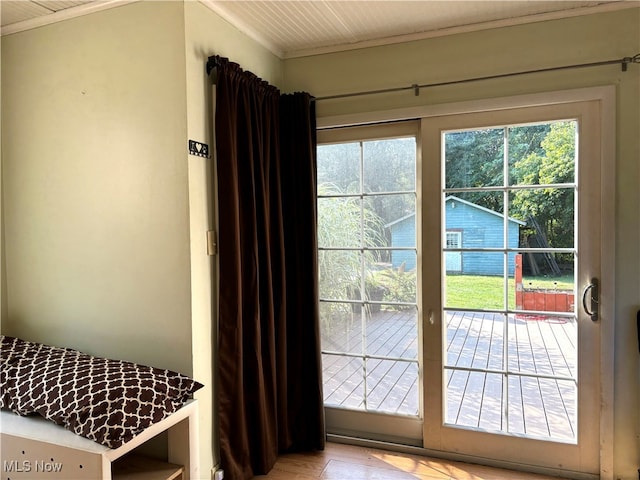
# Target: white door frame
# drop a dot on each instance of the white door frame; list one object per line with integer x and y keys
{"x": 606, "y": 96}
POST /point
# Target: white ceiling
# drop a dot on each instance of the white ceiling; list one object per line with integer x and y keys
{"x": 304, "y": 27}
{"x": 17, "y": 11}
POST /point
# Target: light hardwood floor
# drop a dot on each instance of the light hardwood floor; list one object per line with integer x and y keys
{"x": 346, "y": 462}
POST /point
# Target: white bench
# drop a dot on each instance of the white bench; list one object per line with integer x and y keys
{"x": 34, "y": 448}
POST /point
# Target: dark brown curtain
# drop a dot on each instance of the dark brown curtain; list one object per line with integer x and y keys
{"x": 270, "y": 384}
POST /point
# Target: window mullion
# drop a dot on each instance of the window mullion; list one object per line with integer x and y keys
{"x": 363, "y": 290}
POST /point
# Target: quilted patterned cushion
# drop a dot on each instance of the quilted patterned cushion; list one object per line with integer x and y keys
{"x": 108, "y": 401}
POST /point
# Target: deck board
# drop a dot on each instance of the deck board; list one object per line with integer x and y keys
{"x": 469, "y": 414}
{"x": 474, "y": 340}
{"x": 491, "y": 411}
{"x": 456, "y": 385}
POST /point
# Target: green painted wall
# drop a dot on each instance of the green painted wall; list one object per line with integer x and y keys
{"x": 105, "y": 212}
{"x": 95, "y": 184}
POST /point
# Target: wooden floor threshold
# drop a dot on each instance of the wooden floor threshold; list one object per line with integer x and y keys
{"x": 349, "y": 462}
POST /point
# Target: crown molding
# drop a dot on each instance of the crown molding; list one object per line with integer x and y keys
{"x": 474, "y": 27}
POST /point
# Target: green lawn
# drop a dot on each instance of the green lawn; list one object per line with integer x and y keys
{"x": 471, "y": 291}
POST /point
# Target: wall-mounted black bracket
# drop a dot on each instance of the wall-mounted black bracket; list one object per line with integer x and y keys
{"x": 627, "y": 60}
{"x": 199, "y": 149}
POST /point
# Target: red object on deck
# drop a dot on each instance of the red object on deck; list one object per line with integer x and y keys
{"x": 538, "y": 299}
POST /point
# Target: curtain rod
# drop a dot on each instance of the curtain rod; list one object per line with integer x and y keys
{"x": 624, "y": 62}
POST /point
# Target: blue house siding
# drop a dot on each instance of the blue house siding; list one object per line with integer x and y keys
{"x": 480, "y": 228}
{"x": 403, "y": 234}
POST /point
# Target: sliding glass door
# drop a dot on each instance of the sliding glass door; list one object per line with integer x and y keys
{"x": 368, "y": 262}
{"x": 460, "y": 277}
{"x": 511, "y": 370}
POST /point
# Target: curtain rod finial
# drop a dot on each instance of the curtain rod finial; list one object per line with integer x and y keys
{"x": 212, "y": 62}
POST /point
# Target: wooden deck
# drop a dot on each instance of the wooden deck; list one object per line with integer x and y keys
{"x": 479, "y": 393}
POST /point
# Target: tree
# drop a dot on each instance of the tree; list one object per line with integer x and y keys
{"x": 475, "y": 158}
{"x": 343, "y": 224}
{"x": 552, "y": 207}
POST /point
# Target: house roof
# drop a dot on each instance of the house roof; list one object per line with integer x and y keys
{"x": 451, "y": 198}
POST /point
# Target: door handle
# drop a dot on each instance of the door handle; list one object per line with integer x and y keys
{"x": 590, "y": 295}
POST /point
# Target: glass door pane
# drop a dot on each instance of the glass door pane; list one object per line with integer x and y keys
{"x": 368, "y": 262}
{"x": 510, "y": 363}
